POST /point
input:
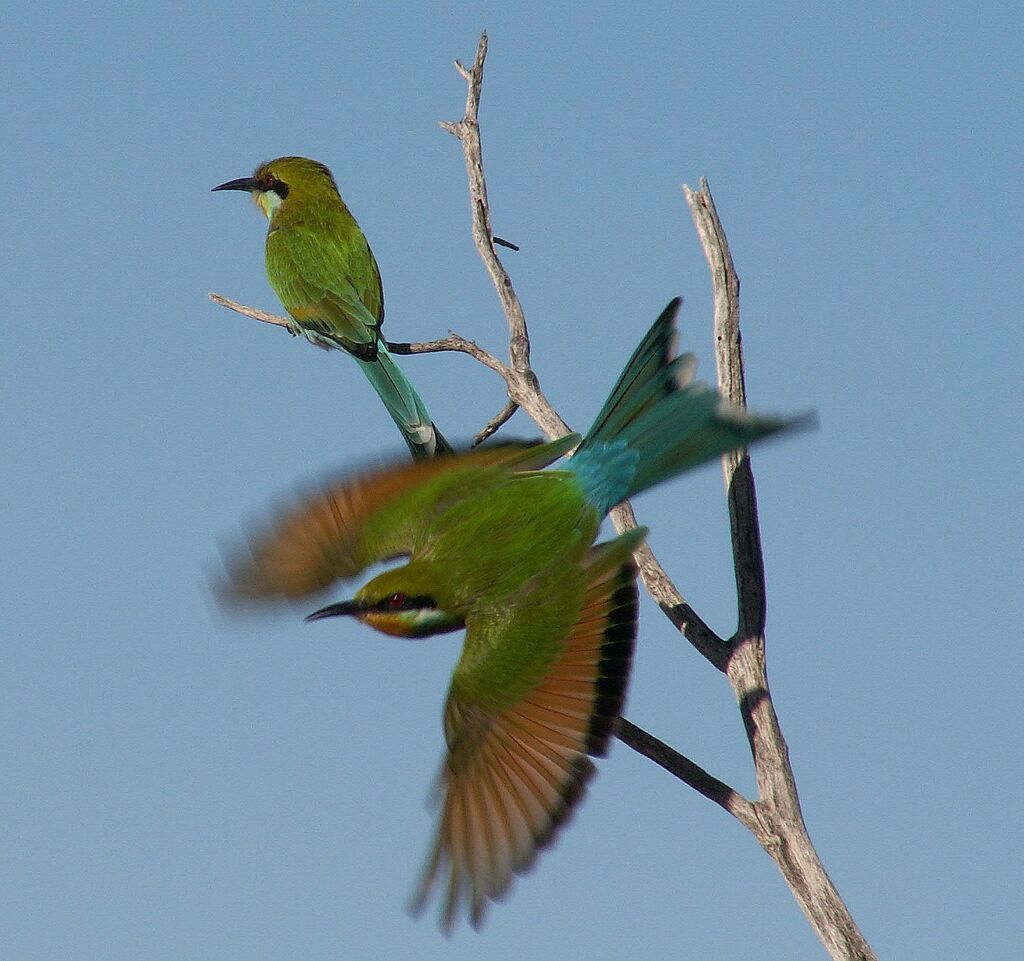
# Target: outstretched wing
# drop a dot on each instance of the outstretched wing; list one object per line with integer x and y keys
{"x": 339, "y": 529}
{"x": 514, "y": 773}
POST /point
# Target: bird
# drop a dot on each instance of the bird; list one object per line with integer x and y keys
{"x": 506, "y": 550}
{"x": 322, "y": 269}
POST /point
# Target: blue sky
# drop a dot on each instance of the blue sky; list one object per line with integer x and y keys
{"x": 181, "y": 784}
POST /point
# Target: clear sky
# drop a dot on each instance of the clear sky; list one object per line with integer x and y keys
{"x": 180, "y": 784}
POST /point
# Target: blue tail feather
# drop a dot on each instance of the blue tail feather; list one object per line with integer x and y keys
{"x": 404, "y": 405}
{"x": 639, "y": 377}
{"x": 658, "y": 422}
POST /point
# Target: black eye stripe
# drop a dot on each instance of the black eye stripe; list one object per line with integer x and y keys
{"x": 269, "y": 182}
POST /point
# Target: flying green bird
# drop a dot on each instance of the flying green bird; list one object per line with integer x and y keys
{"x": 322, "y": 269}
{"x": 506, "y": 550}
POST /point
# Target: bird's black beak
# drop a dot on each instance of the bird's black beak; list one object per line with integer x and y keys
{"x": 242, "y": 183}
{"x": 337, "y": 610}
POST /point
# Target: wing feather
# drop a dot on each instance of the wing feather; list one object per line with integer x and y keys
{"x": 513, "y": 776}
{"x": 338, "y": 529}
{"x": 330, "y": 289}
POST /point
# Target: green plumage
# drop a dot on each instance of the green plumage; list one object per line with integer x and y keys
{"x": 320, "y": 265}
{"x": 506, "y": 550}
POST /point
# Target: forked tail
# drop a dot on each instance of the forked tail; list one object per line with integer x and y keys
{"x": 658, "y": 422}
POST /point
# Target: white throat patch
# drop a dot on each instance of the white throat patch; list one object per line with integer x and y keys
{"x": 269, "y": 201}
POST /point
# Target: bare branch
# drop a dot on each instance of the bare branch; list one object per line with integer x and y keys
{"x": 523, "y": 386}
{"x": 495, "y": 422}
{"x": 468, "y": 132}
{"x": 775, "y": 818}
{"x": 260, "y": 315}
{"x": 453, "y": 342}
{"x": 780, "y": 828}
{"x": 739, "y": 479}
{"x": 686, "y": 770}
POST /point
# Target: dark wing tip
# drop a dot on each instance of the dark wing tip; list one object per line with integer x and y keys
{"x": 619, "y": 641}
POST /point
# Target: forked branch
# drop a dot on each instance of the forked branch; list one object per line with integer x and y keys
{"x": 774, "y": 818}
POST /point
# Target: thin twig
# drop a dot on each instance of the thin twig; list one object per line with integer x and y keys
{"x": 453, "y": 342}
{"x": 253, "y": 312}
{"x": 467, "y": 130}
{"x": 495, "y": 422}
{"x": 739, "y": 480}
{"x": 686, "y": 770}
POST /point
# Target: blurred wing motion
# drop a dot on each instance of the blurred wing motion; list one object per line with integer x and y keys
{"x": 338, "y": 531}
{"x": 515, "y": 771}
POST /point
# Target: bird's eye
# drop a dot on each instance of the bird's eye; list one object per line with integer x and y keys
{"x": 396, "y": 602}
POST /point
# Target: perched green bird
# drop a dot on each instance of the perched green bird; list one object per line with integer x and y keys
{"x": 322, "y": 269}
{"x": 506, "y": 550}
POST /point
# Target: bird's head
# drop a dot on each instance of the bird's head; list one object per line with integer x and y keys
{"x": 288, "y": 179}
{"x": 396, "y": 602}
